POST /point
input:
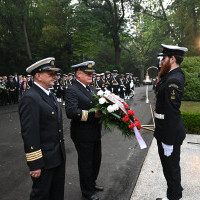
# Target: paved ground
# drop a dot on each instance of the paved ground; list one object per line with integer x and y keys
{"x": 121, "y": 163}
{"x": 151, "y": 183}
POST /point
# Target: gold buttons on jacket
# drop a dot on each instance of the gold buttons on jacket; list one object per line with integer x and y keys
{"x": 59, "y": 131}
{"x": 52, "y": 113}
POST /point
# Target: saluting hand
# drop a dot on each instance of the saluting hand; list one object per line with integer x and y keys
{"x": 36, "y": 173}
{"x": 98, "y": 114}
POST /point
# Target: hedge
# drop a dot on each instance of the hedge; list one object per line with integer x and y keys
{"x": 191, "y": 68}
{"x": 191, "y": 122}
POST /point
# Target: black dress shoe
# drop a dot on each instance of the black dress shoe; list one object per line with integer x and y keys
{"x": 90, "y": 197}
{"x": 98, "y": 188}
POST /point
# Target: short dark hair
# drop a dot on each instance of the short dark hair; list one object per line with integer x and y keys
{"x": 179, "y": 59}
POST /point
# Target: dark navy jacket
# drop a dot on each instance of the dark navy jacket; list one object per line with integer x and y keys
{"x": 169, "y": 91}
{"x": 42, "y": 129}
{"x": 77, "y": 100}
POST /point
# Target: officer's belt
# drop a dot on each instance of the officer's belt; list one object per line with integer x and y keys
{"x": 159, "y": 116}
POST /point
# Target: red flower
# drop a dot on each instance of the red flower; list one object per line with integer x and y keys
{"x": 136, "y": 119}
{"x": 131, "y": 126}
{"x": 131, "y": 112}
{"x": 137, "y": 123}
{"x": 139, "y": 127}
{"x": 126, "y": 106}
{"x": 126, "y": 118}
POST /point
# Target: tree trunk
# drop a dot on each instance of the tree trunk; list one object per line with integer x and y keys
{"x": 165, "y": 19}
{"x": 142, "y": 73}
{"x": 116, "y": 41}
{"x": 27, "y": 42}
{"x": 25, "y": 33}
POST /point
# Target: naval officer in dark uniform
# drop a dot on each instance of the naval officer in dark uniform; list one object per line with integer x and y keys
{"x": 85, "y": 128}
{"x": 169, "y": 130}
{"x": 42, "y": 133}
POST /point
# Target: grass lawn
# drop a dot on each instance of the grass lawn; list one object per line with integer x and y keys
{"x": 190, "y": 107}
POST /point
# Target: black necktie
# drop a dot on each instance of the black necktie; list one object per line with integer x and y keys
{"x": 88, "y": 88}
{"x": 52, "y": 99}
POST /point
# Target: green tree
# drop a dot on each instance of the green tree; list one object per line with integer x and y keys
{"x": 111, "y": 14}
{"x": 191, "y": 68}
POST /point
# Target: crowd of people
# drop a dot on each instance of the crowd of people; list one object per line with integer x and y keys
{"x": 13, "y": 87}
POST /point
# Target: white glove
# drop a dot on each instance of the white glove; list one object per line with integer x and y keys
{"x": 168, "y": 149}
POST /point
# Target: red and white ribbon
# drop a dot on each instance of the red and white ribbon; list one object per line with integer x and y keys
{"x": 112, "y": 97}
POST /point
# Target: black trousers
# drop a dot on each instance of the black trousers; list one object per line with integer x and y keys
{"x": 50, "y": 184}
{"x": 89, "y": 161}
{"x": 172, "y": 171}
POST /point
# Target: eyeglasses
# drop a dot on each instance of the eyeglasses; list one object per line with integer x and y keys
{"x": 50, "y": 73}
{"x": 164, "y": 57}
{"x": 88, "y": 73}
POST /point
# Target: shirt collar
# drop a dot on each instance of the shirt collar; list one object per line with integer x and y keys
{"x": 46, "y": 91}
{"x": 81, "y": 83}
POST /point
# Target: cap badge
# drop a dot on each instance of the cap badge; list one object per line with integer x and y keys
{"x": 89, "y": 65}
{"x": 173, "y": 95}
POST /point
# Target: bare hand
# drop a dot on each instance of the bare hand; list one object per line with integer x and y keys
{"x": 98, "y": 114}
{"x": 36, "y": 173}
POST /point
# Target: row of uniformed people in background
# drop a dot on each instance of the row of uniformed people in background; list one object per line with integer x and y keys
{"x": 122, "y": 85}
{"x": 13, "y": 87}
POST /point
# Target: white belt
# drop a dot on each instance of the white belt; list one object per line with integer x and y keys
{"x": 159, "y": 116}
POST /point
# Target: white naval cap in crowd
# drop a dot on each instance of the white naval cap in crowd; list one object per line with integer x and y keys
{"x": 46, "y": 64}
{"x": 84, "y": 66}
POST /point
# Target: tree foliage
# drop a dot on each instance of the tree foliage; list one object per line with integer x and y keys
{"x": 191, "y": 68}
{"x": 119, "y": 34}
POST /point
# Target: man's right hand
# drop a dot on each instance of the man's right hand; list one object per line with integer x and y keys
{"x": 36, "y": 173}
{"x": 98, "y": 114}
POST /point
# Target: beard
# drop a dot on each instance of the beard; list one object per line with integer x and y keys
{"x": 165, "y": 68}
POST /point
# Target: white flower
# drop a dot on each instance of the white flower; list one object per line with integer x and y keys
{"x": 116, "y": 107}
{"x": 110, "y": 108}
{"x": 102, "y": 100}
{"x": 100, "y": 93}
{"x": 107, "y": 92}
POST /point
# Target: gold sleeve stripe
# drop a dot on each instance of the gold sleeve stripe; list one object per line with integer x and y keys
{"x": 34, "y": 158}
{"x": 84, "y": 115}
{"x": 34, "y": 155}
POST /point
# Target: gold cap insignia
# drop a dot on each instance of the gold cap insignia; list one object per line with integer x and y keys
{"x": 173, "y": 93}
{"x": 89, "y": 65}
